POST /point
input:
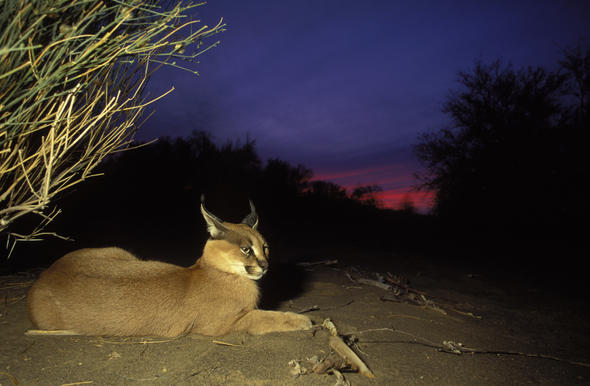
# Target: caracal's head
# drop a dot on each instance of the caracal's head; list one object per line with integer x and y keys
{"x": 236, "y": 248}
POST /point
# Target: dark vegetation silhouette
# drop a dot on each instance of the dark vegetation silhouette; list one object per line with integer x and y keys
{"x": 510, "y": 173}
{"x": 513, "y": 163}
{"x": 148, "y": 202}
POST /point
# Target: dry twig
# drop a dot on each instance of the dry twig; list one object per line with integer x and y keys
{"x": 342, "y": 349}
{"x": 11, "y": 378}
{"x": 340, "y": 358}
{"x": 314, "y": 263}
{"x": 221, "y": 343}
{"x": 452, "y": 347}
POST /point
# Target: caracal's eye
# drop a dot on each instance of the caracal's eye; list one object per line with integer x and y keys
{"x": 246, "y": 250}
{"x": 266, "y": 249}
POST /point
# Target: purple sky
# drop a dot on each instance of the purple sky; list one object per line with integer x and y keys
{"x": 345, "y": 87}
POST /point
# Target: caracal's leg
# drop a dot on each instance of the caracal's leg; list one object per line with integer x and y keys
{"x": 259, "y": 322}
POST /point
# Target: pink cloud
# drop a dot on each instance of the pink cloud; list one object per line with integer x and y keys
{"x": 346, "y": 174}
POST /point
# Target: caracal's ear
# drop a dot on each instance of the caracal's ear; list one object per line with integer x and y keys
{"x": 214, "y": 224}
{"x": 252, "y": 219}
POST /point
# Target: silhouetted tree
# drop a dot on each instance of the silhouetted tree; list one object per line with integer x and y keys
{"x": 285, "y": 180}
{"x": 367, "y": 195}
{"x": 327, "y": 189}
{"x": 407, "y": 205}
{"x": 576, "y": 125}
{"x": 501, "y": 165}
{"x": 577, "y": 68}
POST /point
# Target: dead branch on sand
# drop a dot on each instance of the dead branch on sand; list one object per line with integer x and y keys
{"x": 222, "y": 343}
{"x": 315, "y": 263}
{"x": 315, "y": 307}
{"x": 17, "y": 281}
{"x": 341, "y": 357}
{"x": 452, "y": 347}
{"x": 397, "y": 289}
{"x": 10, "y": 377}
{"x": 145, "y": 341}
{"x": 459, "y": 348}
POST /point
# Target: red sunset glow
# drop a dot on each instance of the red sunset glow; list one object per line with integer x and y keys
{"x": 396, "y": 198}
{"x": 396, "y": 180}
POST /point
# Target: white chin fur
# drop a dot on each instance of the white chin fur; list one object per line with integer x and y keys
{"x": 241, "y": 270}
{"x": 255, "y": 277}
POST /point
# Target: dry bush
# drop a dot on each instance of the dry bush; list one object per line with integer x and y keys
{"x": 72, "y": 75}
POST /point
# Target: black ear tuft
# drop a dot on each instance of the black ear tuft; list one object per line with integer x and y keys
{"x": 251, "y": 219}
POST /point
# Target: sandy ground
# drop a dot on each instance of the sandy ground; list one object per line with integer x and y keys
{"x": 398, "y": 341}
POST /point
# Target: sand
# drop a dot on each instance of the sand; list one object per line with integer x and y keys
{"x": 398, "y": 341}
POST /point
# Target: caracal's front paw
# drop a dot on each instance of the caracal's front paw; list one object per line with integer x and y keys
{"x": 296, "y": 322}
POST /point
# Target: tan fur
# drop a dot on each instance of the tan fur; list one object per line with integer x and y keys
{"x": 108, "y": 291}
